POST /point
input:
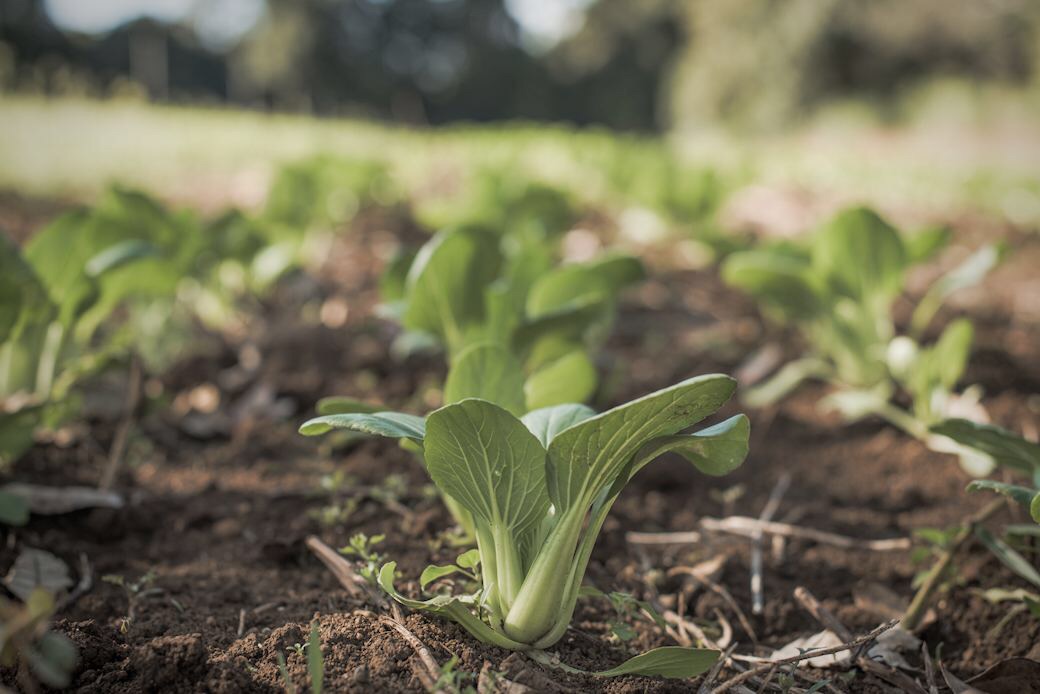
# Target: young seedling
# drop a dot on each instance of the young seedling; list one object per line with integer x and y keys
{"x": 135, "y": 591}
{"x": 361, "y": 548}
{"x": 315, "y": 662}
{"x": 539, "y": 489}
{"x": 838, "y": 292}
{"x": 27, "y": 642}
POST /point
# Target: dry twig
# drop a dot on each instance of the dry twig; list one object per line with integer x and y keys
{"x": 770, "y": 509}
{"x": 744, "y": 525}
{"x": 433, "y": 669}
{"x": 765, "y": 668}
{"x": 354, "y": 584}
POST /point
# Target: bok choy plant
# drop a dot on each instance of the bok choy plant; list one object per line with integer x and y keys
{"x": 539, "y": 488}
{"x": 838, "y": 293}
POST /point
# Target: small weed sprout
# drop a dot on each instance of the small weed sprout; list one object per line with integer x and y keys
{"x": 369, "y": 560}
{"x": 135, "y": 592}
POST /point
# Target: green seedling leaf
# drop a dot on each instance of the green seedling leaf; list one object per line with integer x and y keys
{"x": 924, "y": 244}
{"x": 394, "y": 280}
{"x": 489, "y": 372}
{"x": 1034, "y": 507}
{"x": 446, "y": 283}
{"x": 1006, "y": 448}
{"x": 469, "y": 560}
{"x": 1021, "y": 495}
{"x": 393, "y": 425}
{"x": 315, "y": 660}
{"x": 488, "y": 461}
{"x": 432, "y": 573}
{"x": 35, "y": 569}
{"x": 618, "y": 270}
{"x": 674, "y": 662}
{"x": 590, "y": 455}
{"x": 53, "y": 659}
{"x": 547, "y": 422}
{"x": 780, "y": 282}
{"x": 716, "y": 451}
{"x": 566, "y": 324}
{"x": 1008, "y": 556}
{"x": 14, "y": 509}
{"x": 118, "y": 255}
{"x": 340, "y": 404}
{"x": 950, "y": 353}
{"x": 571, "y": 378}
{"x": 861, "y": 255}
{"x": 969, "y": 273}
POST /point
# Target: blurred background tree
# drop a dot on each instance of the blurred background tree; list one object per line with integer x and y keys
{"x": 641, "y": 66}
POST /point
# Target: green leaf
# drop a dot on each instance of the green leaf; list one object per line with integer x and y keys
{"x": 394, "y": 279}
{"x": 14, "y": 509}
{"x": 315, "y": 661}
{"x": 487, "y": 371}
{"x": 393, "y": 425}
{"x": 618, "y": 270}
{"x": 53, "y": 659}
{"x": 341, "y": 404}
{"x": 590, "y": 455}
{"x": 717, "y": 450}
{"x": 34, "y": 569}
{"x": 571, "y": 378}
{"x": 1034, "y": 508}
{"x": 674, "y": 662}
{"x": 118, "y": 255}
{"x": 432, "y": 572}
{"x": 968, "y": 273}
{"x": 446, "y": 283}
{"x": 1021, "y": 495}
{"x": 1006, "y": 448}
{"x": 950, "y": 353}
{"x": 1008, "y": 556}
{"x": 547, "y": 422}
{"x": 567, "y": 324}
{"x": 777, "y": 280}
{"x": 469, "y": 560}
{"x": 486, "y": 459}
{"x": 565, "y": 286}
{"x": 861, "y": 255}
{"x": 924, "y": 244}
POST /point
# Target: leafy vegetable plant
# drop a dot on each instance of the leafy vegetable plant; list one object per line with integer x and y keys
{"x": 539, "y": 489}
{"x": 838, "y": 293}
{"x": 1007, "y": 450}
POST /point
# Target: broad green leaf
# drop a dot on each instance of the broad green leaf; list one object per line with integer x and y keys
{"x": 571, "y": 378}
{"x": 675, "y": 662}
{"x": 1008, "y": 556}
{"x": 1006, "y": 448}
{"x": 446, "y": 283}
{"x": 968, "y": 273}
{"x": 432, "y": 573}
{"x": 539, "y": 339}
{"x": 780, "y": 282}
{"x": 486, "y": 459}
{"x": 1022, "y": 495}
{"x": 489, "y": 372}
{"x": 22, "y": 295}
{"x": 923, "y": 244}
{"x": 393, "y": 425}
{"x": 14, "y": 509}
{"x": 951, "y": 352}
{"x": 619, "y": 270}
{"x": 469, "y": 559}
{"x": 52, "y": 659}
{"x": 565, "y": 286}
{"x": 451, "y": 607}
{"x": 717, "y": 450}
{"x": 118, "y": 255}
{"x": 394, "y": 279}
{"x": 16, "y": 432}
{"x": 547, "y": 422}
{"x": 590, "y": 455}
{"x": 341, "y": 404}
{"x": 861, "y": 255}
{"x": 1034, "y": 507}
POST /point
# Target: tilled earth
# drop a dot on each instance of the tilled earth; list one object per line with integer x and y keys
{"x": 223, "y": 494}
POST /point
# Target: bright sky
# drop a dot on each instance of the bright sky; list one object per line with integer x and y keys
{"x": 222, "y": 22}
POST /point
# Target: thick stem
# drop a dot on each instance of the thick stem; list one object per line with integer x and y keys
{"x": 538, "y": 605}
{"x": 510, "y": 571}
{"x": 49, "y": 359}
{"x": 489, "y": 569}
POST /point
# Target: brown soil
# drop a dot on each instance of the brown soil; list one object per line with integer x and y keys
{"x": 222, "y": 501}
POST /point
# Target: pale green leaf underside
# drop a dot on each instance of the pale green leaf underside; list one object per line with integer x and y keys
{"x": 590, "y": 455}
{"x": 394, "y": 425}
{"x": 545, "y": 423}
{"x": 717, "y": 450}
{"x": 1021, "y": 495}
{"x": 487, "y": 460}
{"x": 1006, "y": 448}
{"x": 490, "y": 372}
{"x": 675, "y": 662}
{"x": 1009, "y": 556}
